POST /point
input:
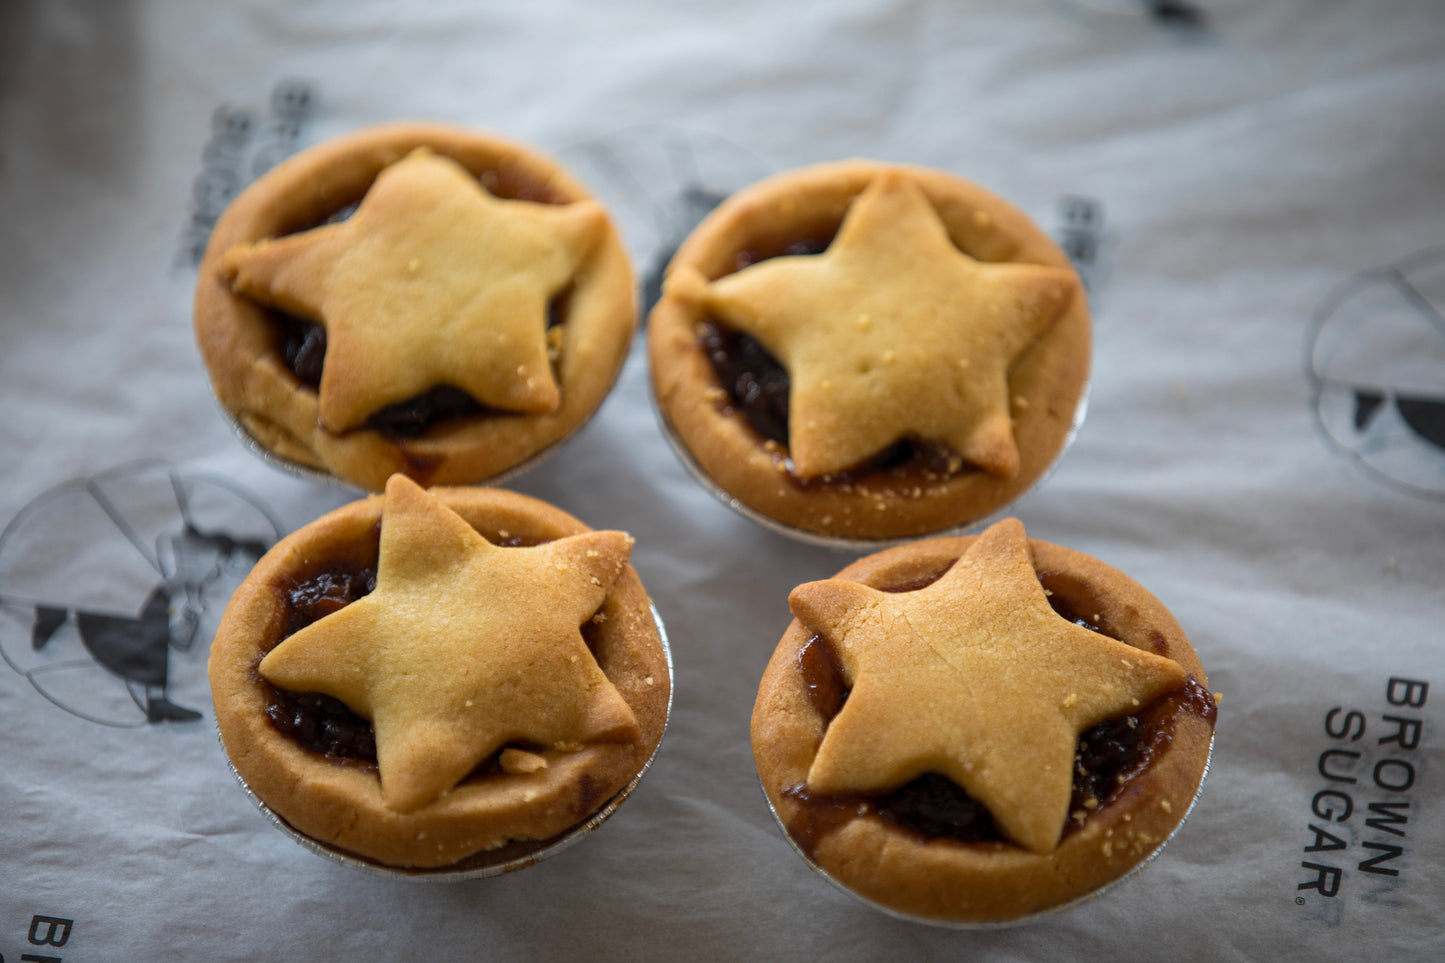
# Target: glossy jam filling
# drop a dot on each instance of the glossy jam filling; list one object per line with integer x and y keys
{"x": 321, "y": 723}
{"x": 932, "y": 806}
{"x": 302, "y": 343}
{"x": 757, "y": 387}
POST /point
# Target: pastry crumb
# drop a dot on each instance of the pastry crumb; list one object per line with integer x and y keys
{"x": 1218, "y": 698}
{"x": 1166, "y": 806}
{"x": 649, "y": 680}
{"x": 503, "y": 533}
{"x": 599, "y": 618}
{"x": 1108, "y": 849}
{"x": 520, "y": 762}
{"x": 1071, "y": 700}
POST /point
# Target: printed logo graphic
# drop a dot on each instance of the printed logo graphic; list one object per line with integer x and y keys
{"x": 1360, "y": 832}
{"x": 1080, "y": 234}
{"x": 1375, "y": 364}
{"x": 107, "y": 582}
{"x": 243, "y": 145}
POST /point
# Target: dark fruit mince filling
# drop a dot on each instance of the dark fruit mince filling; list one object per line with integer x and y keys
{"x": 413, "y": 417}
{"x": 303, "y": 342}
{"x": 321, "y": 723}
{"x": 757, "y": 386}
{"x": 303, "y": 348}
{"x": 933, "y": 806}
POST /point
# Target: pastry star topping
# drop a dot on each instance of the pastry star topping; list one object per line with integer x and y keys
{"x": 463, "y": 647}
{"x": 432, "y": 281}
{"x": 974, "y": 677}
{"x": 891, "y": 333}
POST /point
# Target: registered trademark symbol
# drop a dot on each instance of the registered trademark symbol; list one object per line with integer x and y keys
{"x": 1299, "y": 901}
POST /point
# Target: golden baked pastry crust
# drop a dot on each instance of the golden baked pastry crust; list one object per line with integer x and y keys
{"x": 949, "y": 880}
{"x": 342, "y": 804}
{"x": 1016, "y": 267}
{"x": 240, "y": 345}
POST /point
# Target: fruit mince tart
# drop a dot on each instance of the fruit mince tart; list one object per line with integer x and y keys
{"x": 974, "y": 730}
{"x": 457, "y": 680}
{"x": 865, "y": 351}
{"x": 413, "y": 298}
